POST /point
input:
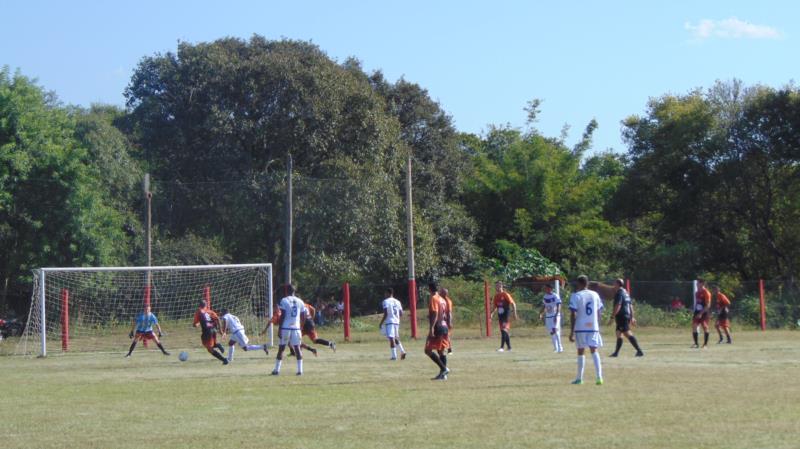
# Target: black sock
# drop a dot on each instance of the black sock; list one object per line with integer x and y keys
{"x": 619, "y": 345}
{"x": 502, "y": 339}
{"x": 635, "y": 343}
{"x": 694, "y": 335}
{"x": 435, "y": 357}
{"x": 705, "y": 339}
{"x": 218, "y": 356}
{"x": 443, "y": 358}
{"x": 322, "y": 341}
{"x": 133, "y": 345}
{"x": 161, "y": 348}
{"x": 220, "y": 347}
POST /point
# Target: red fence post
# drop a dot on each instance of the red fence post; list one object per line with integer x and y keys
{"x": 346, "y": 289}
{"x": 628, "y": 287}
{"x": 64, "y": 319}
{"x": 412, "y": 305}
{"x": 207, "y": 295}
{"x": 762, "y": 304}
{"x": 486, "y": 308}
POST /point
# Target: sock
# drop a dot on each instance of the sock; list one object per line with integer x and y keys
{"x": 502, "y": 339}
{"x": 619, "y": 345}
{"x": 394, "y": 353}
{"x": 300, "y": 366}
{"x": 581, "y": 362}
{"x": 598, "y": 366}
{"x": 554, "y": 337}
{"x": 558, "y": 339}
{"x": 322, "y": 341}
{"x": 218, "y": 356}
{"x": 161, "y": 347}
{"x": 728, "y": 334}
{"x": 400, "y": 345}
{"x": 230, "y": 352}
{"x": 694, "y": 335}
{"x": 435, "y": 357}
{"x": 278, "y": 365}
{"x": 133, "y": 345}
{"x": 252, "y": 348}
{"x": 635, "y": 343}
{"x": 220, "y": 347}
{"x": 443, "y": 358}
{"x": 705, "y": 339}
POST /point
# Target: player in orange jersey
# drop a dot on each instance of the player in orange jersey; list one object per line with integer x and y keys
{"x": 437, "y": 342}
{"x": 208, "y": 321}
{"x": 444, "y": 293}
{"x": 310, "y": 330}
{"x": 504, "y": 304}
{"x": 702, "y": 313}
{"x": 723, "y": 314}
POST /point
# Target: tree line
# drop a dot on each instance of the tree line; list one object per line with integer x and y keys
{"x": 709, "y": 181}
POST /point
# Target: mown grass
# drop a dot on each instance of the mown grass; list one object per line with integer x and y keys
{"x": 728, "y": 396}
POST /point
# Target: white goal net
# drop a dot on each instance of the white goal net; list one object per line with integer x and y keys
{"x": 92, "y": 309}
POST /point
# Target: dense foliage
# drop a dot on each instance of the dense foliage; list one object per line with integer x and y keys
{"x": 709, "y": 182}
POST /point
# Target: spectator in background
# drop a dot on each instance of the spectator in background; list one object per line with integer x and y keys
{"x": 676, "y": 304}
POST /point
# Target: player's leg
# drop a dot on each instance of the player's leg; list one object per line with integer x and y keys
{"x": 695, "y": 331}
{"x": 133, "y": 345}
{"x": 719, "y": 331}
{"x": 309, "y": 348}
{"x": 634, "y": 342}
{"x": 158, "y": 343}
{"x": 443, "y": 358}
{"x": 581, "y": 361}
{"x": 279, "y": 358}
{"x": 598, "y": 366}
{"x": 392, "y": 347}
{"x": 705, "y": 332}
{"x": 399, "y": 345}
{"x": 558, "y": 333}
{"x": 429, "y": 351}
{"x": 619, "y": 343}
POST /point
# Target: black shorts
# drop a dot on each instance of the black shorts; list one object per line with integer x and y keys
{"x": 724, "y": 314}
{"x": 502, "y": 317}
{"x": 623, "y": 323}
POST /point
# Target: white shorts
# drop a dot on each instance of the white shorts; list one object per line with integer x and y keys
{"x": 240, "y": 337}
{"x": 390, "y": 330}
{"x": 290, "y": 337}
{"x": 588, "y": 339}
{"x": 552, "y": 322}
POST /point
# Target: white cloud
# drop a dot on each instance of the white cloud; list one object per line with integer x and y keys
{"x": 731, "y": 28}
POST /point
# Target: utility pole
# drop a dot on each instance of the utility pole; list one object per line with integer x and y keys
{"x": 288, "y": 248}
{"x": 412, "y": 280}
{"x": 148, "y": 198}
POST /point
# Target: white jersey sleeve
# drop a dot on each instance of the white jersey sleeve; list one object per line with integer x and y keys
{"x": 291, "y": 308}
{"x": 587, "y": 306}
{"x": 393, "y": 310}
{"x": 232, "y": 323}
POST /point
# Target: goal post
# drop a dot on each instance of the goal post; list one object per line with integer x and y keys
{"x": 93, "y": 308}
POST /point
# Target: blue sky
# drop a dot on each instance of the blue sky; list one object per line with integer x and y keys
{"x": 481, "y": 60}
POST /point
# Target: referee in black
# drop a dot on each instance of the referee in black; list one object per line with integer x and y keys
{"x": 623, "y": 316}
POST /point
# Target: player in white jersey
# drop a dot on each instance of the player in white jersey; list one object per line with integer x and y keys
{"x": 293, "y": 312}
{"x": 585, "y": 308}
{"x": 390, "y": 323}
{"x": 230, "y": 324}
{"x": 551, "y": 311}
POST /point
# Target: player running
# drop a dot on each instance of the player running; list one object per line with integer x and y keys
{"x": 623, "y": 317}
{"x": 208, "y": 321}
{"x": 503, "y": 303}
{"x": 551, "y": 311}
{"x": 310, "y": 329}
{"x": 143, "y": 324}
{"x": 390, "y": 323}
{"x": 723, "y": 314}
{"x": 293, "y": 311}
{"x": 437, "y": 343}
{"x": 585, "y": 308}
{"x": 702, "y": 311}
{"x": 230, "y": 324}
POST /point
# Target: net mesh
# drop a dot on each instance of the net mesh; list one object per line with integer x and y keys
{"x": 93, "y": 310}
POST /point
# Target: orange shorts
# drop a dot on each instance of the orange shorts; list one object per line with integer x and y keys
{"x": 700, "y": 320}
{"x": 724, "y": 323}
{"x": 312, "y": 334}
{"x": 437, "y": 343}
{"x": 209, "y": 340}
{"x": 144, "y": 336}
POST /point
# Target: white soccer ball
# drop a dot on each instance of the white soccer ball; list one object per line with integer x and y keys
{"x": 183, "y": 356}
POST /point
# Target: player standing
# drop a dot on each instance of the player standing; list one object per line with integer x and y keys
{"x": 231, "y": 324}
{"x": 445, "y": 294}
{"x": 551, "y": 311}
{"x": 436, "y": 343}
{"x": 723, "y": 314}
{"x": 143, "y": 324}
{"x": 503, "y": 303}
{"x": 623, "y": 316}
{"x": 390, "y": 323}
{"x": 702, "y": 310}
{"x": 208, "y": 321}
{"x": 585, "y": 308}
{"x": 293, "y": 311}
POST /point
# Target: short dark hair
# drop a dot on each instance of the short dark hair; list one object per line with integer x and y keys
{"x": 290, "y": 289}
{"x": 619, "y": 282}
{"x": 223, "y": 311}
{"x": 583, "y": 280}
{"x": 390, "y": 291}
{"x": 203, "y": 303}
{"x": 433, "y": 287}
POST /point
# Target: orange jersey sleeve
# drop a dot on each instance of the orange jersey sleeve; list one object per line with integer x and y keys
{"x": 311, "y": 311}
{"x": 196, "y": 317}
{"x": 722, "y": 301}
{"x": 276, "y": 317}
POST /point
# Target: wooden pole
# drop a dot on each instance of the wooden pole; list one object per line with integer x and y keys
{"x": 412, "y": 283}
{"x": 288, "y": 244}
{"x": 762, "y": 304}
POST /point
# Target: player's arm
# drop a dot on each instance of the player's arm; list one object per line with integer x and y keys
{"x": 383, "y": 319}
{"x": 196, "y": 321}
{"x": 541, "y": 311}
{"x": 633, "y": 314}
{"x": 513, "y": 307}
{"x": 431, "y": 322}
{"x": 158, "y": 326}
{"x": 617, "y": 307}
{"x": 571, "y": 325}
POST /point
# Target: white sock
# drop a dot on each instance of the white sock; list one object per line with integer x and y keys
{"x": 278, "y": 365}
{"x": 230, "y": 353}
{"x": 558, "y": 339}
{"x": 300, "y": 366}
{"x": 400, "y": 345}
{"x": 554, "y": 337}
{"x": 598, "y": 367}
{"x": 394, "y": 353}
{"x": 254, "y": 347}
{"x": 581, "y": 362}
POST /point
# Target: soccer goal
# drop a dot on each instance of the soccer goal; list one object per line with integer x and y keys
{"x": 91, "y": 309}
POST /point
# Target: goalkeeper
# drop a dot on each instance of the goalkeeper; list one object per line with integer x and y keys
{"x": 143, "y": 324}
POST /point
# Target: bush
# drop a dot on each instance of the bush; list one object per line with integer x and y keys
{"x": 647, "y": 315}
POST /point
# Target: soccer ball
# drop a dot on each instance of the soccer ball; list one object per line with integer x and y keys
{"x": 183, "y": 356}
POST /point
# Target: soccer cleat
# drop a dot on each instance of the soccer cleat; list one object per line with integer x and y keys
{"x": 720, "y": 341}
{"x": 599, "y": 382}
{"x": 577, "y": 382}
{"x": 332, "y": 345}
{"x": 166, "y": 353}
{"x": 613, "y": 354}
{"x": 275, "y": 372}
{"x": 393, "y": 358}
{"x": 449, "y": 351}
{"x": 438, "y": 376}
{"x": 695, "y": 346}
{"x": 403, "y": 356}
{"x": 639, "y": 354}
{"x": 444, "y": 377}
{"x": 560, "y": 350}
{"x": 500, "y": 350}
{"x": 127, "y": 356}
{"x": 299, "y": 373}
{"x": 313, "y": 351}
{"x": 266, "y": 351}
{"x": 704, "y": 347}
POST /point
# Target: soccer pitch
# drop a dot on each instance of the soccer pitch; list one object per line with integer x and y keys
{"x": 743, "y": 395}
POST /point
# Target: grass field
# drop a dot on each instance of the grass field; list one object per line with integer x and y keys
{"x": 744, "y": 395}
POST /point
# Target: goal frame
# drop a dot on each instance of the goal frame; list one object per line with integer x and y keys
{"x": 43, "y": 284}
